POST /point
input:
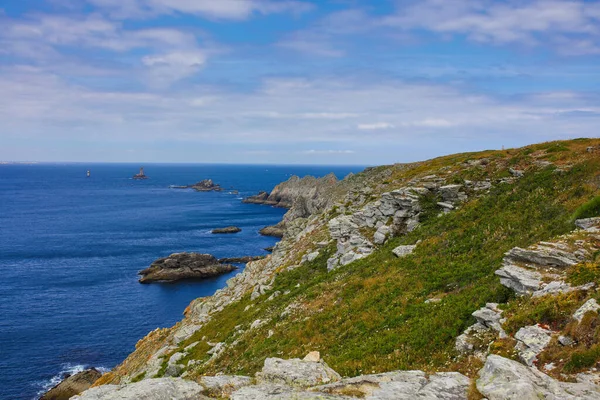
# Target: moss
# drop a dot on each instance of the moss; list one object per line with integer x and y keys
{"x": 584, "y": 273}
{"x": 139, "y": 377}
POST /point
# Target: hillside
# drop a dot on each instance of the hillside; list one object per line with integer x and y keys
{"x": 388, "y": 273}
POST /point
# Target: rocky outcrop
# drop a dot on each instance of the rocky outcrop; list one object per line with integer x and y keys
{"x": 206, "y": 185}
{"x": 296, "y": 372}
{"x": 73, "y": 385}
{"x": 540, "y": 269}
{"x": 180, "y": 266}
{"x": 228, "y": 229}
{"x": 504, "y": 379}
{"x": 274, "y": 231}
{"x": 149, "y": 389}
{"x": 403, "y": 251}
{"x": 489, "y": 320}
{"x": 287, "y": 193}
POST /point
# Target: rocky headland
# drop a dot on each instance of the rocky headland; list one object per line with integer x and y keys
{"x": 228, "y": 229}
{"x": 206, "y": 185}
{"x": 181, "y": 266}
{"x": 469, "y": 276}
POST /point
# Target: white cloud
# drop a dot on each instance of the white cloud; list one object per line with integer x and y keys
{"x": 217, "y": 9}
{"x": 375, "y": 126}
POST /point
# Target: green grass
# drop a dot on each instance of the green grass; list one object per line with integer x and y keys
{"x": 370, "y": 316}
{"x": 589, "y": 209}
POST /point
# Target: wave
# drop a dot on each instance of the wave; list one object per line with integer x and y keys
{"x": 66, "y": 369}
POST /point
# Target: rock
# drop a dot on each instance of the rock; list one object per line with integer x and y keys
{"x": 240, "y": 260}
{"x": 532, "y": 340}
{"x": 296, "y": 372}
{"x": 490, "y": 316}
{"x": 207, "y": 185}
{"x": 287, "y": 194}
{"x": 281, "y": 392}
{"x": 256, "y": 324}
{"x": 590, "y": 305}
{"x": 542, "y": 256}
{"x": 73, "y": 385}
{"x": 504, "y": 379}
{"x": 313, "y": 356}
{"x": 310, "y": 257}
{"x": 173, "y": 368}
{"x": 275, "y": 231}
{"x": 516, "y": 173}
{"x": 148, "y": 389}
{"x": 140, "y": 175}
{"x": 270, "y": 249}
{"x": 588, "y": 223}
{"x": 222, "y": 386}
{"x": 566, "y": 340}
{"x": 521, "y": 280}
{"x": 180, "y": 266}
{"x": 446, "y": 206}
{"x": 229, "y": 229}
{"x": 381, "y": 234}
{"x": 452, "y": 193}
{"x": 403, "y": 251}
{"x": 402, "y": 385}
{"x": 260, "y": 198}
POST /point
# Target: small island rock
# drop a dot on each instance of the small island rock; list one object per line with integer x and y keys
{"x": 180, "y": 266}
{"x": 229, "y": 229}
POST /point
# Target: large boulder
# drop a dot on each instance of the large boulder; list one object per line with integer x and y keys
{"x": 223, "y": 385}
{"x": 531, "y": 341}
{"x": 296, "y": 372}
{"x": 73, "y": 385}
{"x": 504, "y": 379}
{"x": 149, "y": 389}
{"x": 180, "y": 266}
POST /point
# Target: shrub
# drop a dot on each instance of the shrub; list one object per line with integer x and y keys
{"x": 589, "y": 209}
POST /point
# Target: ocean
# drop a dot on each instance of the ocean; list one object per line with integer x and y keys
{"x": 71, "y": 247}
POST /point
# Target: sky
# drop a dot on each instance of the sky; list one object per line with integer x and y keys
{"x": 293, "y": 81}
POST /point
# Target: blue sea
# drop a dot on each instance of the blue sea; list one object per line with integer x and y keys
{"x": 71, "y": 247}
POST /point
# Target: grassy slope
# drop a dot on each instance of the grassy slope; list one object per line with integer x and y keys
{"x": 371, "y": 316}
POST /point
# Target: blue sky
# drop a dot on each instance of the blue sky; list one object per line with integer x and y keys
{"x": 293, "y": 81}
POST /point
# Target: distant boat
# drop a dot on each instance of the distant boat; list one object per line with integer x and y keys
{"x": 88, "y": 173}
{"x": 141, "y": 175}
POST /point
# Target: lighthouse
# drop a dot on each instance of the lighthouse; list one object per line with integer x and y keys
{"x": 141, "y": 175}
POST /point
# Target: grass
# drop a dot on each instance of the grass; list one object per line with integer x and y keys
{"x": 589, "y": 209}
{"x": 370, "y": 316}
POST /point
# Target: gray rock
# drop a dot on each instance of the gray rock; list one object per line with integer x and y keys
{"x": 223, "y": 385}
{"x": 281, "y": 392}
{"x": 403, "y": 385}
{"x": 490, "y": 316}
{"x": 180, "y": 266}
{"x": 566, "y": 340}
{"x": 590, "y": 305}
{"x": 522, "y": 281}
{"x": 588, "y": 223}
{"x": 382, "y": 234}
{"x": 148, "y": 389}
{"x": 403, "y": 251}
{"x": 504, "y": 379}
{"x": 532, "y": 340}
{"x": 543, "y": 256}
{"x": 296, "y": 372}
{"x": 173, "y": 368}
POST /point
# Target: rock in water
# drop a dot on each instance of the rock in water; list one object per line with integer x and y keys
{"x": 229, "y": 229}
{"x": 206, "y": 185}
{"x": 274, "y": 231}
{"x": 73, "y": 385}
{"x": 180, "y": 266}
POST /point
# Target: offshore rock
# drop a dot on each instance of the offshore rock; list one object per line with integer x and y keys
{"x": 149, "y": 389}
{"x": 73, "y": 385}
{"x": 504, "y": 379}
{"x": 207, "y": 185}
{"x": 240, "y": 260}
{"x": 180, "y": 266}
{"x": 228, "y": 229}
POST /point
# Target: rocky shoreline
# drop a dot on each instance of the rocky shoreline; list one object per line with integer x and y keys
{"x": 206, "y": 185}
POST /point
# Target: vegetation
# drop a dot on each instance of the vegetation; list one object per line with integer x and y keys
{"x": 371, "y": 316}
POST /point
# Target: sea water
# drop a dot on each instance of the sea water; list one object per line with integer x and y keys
{"x": 71, "y": 247}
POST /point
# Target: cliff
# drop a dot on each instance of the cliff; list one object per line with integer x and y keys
{"x": 471, "y": 265}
